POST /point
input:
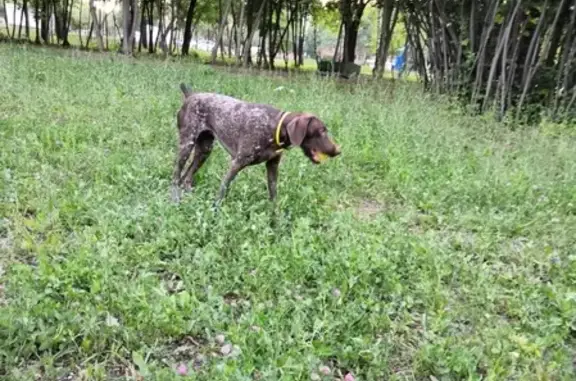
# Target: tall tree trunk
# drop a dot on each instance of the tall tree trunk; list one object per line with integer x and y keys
{"x": 294, "y": 37}
{"x": 36, "y": 20}
{"x": 350, "y": 39}
{"x": 301, "y": 36}
{"x": 248, "y": 42}
{"x": 97, "y": 25}
{"x": 221, "y": 26}
{"x": 173, "y": 31}
{"x": 351, "y": 12}
{"x": 142, "y": 43}
{"x": 135, "y": 16}
{"x": 239, "y": 36}
{"x": 14, "y": 8}
{"x": 315, "y": 42}
{"x": 22, "y": 12}
{"x": 388, "y": 18}
{"x": 21, "y": 22}
{"x": 126, "y": 27}
{"x": 62, "y": 19}
{"x": 90, "y": 34}
{"x": 6, "y": 18}
{"x": 57, "y": 19}
{"x": 188, "y": 28}
{"x": 233, "y": 38}
{"x": 107, "y": 32}
{"x": 129, "y": 20}
{"x": 263, "y": 33}
{"x": 150, "y": 27}
{"x": 67, "y": 22}
{"x": 80, "y": 23}
{"x": 45, "y": 22}
{"x": 335, "y": 58}
{"x": 273, "y": 27}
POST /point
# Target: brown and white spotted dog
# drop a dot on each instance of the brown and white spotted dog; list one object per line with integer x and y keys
{"x": 251, "y": 133}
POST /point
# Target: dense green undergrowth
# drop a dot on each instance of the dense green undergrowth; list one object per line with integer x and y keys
{"x": 437, "y": 246}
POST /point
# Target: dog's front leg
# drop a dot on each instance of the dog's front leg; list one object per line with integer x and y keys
{"x": 235, "y": 167}
{"x": 272, "y": 174}
{"x": 184, "y": 150}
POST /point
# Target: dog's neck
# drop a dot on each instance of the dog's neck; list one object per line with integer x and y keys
{"x": 284, "y": 137}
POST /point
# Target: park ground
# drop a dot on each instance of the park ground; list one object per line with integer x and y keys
{"x": 438, "y": 246}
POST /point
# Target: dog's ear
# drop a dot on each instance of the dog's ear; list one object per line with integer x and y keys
{"x": 298, "y": 128}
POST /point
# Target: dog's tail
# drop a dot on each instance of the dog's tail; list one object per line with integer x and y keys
{"x": 186, "y": 90}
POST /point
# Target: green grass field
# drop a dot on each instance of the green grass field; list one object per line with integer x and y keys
{"x": 436, "y": 247}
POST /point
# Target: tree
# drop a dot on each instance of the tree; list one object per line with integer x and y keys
{"x": 223, "y": 19}
{"x": 129, "y": 20}
{"x": 351, "y": 12}
{"x": 388, "y": 17}
{"x": 252, "y": 22}
{"x": 97, "y": 24}
{"x": 516, "y": 55}
{"x": 188, "y": 27}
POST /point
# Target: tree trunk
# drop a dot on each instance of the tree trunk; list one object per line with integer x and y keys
{"x": 107, "y": 31}
{"x": 129, "y": 21}
{"x": 45, "y": 22}
{"x": 188, "y": 28}
{"x": 220, "y": 31}
{"x": 67, "y": 19}
{"x": 80, "y": 23}
{"x": 134, "y": 23}
{"x": 263, "y": 30}
{"x": 301, "y": 36}
{"x": 97, "y": 25}
{"x": 57, "y": 20}
{"x": 294, "y": 37}
{"x": 248, "y": 42}
{"x": 282, "y": 39}
{"x": 125, "y": 27}
{"x": 389, "y": 16}
{"x": 89, "y": 34}
{"x": 14, "y": 8}
{"x": 234, "y": 32}
{"x": 6, "y": 18}
{"x": 350, "y": 39}
{"x": 173, "y": 30}
{"x": 273, "y": 27}
{"x": 21, "y": 22}
{"x": 315, "y": 42}
{"x": 239, "y": 34}
{"x": 36, "y": 20}
{"x": 335, "y": 58}
{"x": 143, "y": 31}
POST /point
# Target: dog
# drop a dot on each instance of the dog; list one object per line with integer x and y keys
{"x": 251, "y": 133}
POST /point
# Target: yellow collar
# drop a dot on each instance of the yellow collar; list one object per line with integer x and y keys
{"x": 277, "y": 134}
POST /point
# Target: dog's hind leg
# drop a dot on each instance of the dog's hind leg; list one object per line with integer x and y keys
{"x": 203, "y": 149}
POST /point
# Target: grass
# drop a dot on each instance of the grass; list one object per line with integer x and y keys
{"x": 437, "y": 247}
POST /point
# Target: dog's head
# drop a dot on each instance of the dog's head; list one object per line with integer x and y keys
{"x": 309, "y": 133}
